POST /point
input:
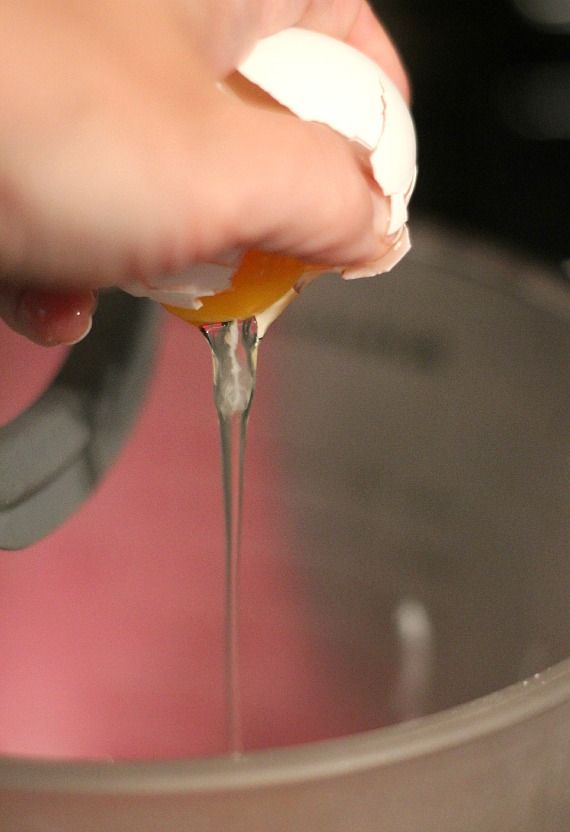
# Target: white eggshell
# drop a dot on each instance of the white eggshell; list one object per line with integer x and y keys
{"x": 185, "y": 289}
{"x": 324, "y": 80}
{"x": 321, "y": 79}
{"x": 393, "y": 159}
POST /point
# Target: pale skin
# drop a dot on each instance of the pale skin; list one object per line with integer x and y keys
{"x": 120, "y": 158}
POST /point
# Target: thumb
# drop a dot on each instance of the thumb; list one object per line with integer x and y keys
{"x": 272, "y": 181}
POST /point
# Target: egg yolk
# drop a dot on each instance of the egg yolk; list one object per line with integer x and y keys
{"x": 261, "y": 280}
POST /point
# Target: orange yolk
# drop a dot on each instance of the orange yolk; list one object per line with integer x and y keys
{"x": 260, "y": 281}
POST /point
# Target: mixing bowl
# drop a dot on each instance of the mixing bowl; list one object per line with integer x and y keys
{"x": 405, "y": 579}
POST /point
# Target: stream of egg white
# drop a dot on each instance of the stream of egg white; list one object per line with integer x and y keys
{"x": 234, "y": 352}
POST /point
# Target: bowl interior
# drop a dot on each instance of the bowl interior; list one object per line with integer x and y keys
{"x": 405, "y": 529}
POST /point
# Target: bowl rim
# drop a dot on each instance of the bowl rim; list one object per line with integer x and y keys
{"x": 378, "y": 748}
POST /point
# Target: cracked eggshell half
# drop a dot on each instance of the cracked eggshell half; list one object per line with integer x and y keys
{"x": 325, "y": 80}
{"x": 321, "y": 79}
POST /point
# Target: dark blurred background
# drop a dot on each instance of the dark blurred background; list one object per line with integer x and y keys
{"x": 491, "y": 83}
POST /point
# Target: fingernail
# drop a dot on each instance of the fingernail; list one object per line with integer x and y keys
{"x": 83, "y": 314}
{"x": 32, "y": 315}
{"x": 84, "y": 334}
{"x": 386, "y": 262}
{"x": 397, "y": 252}
{"x": 398, "y": 214}
{"x": 390, "y": 215}
{"x": 52, "y": 318}
{"x": 381, "y": 214}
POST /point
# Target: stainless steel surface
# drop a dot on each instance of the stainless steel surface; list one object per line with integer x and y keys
{"x": 423, "y": 427}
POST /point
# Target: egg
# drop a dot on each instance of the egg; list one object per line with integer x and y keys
{"x": 320, "y": 79}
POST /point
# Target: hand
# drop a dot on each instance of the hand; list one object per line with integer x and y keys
{"x": 121, "y": 159}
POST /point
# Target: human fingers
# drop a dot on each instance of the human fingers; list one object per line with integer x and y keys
{"x": 48, "y": 318}
{"x": 278, "y": 183}
{"x": 144, "y": 188}
{"x": 142, "y": 167}
{"x": 228, "y": 29}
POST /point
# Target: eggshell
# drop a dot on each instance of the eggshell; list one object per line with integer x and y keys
{"x": 321, "y": 79}
{"x": 394, "y": 157}
{"x": 185, "y": 289}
